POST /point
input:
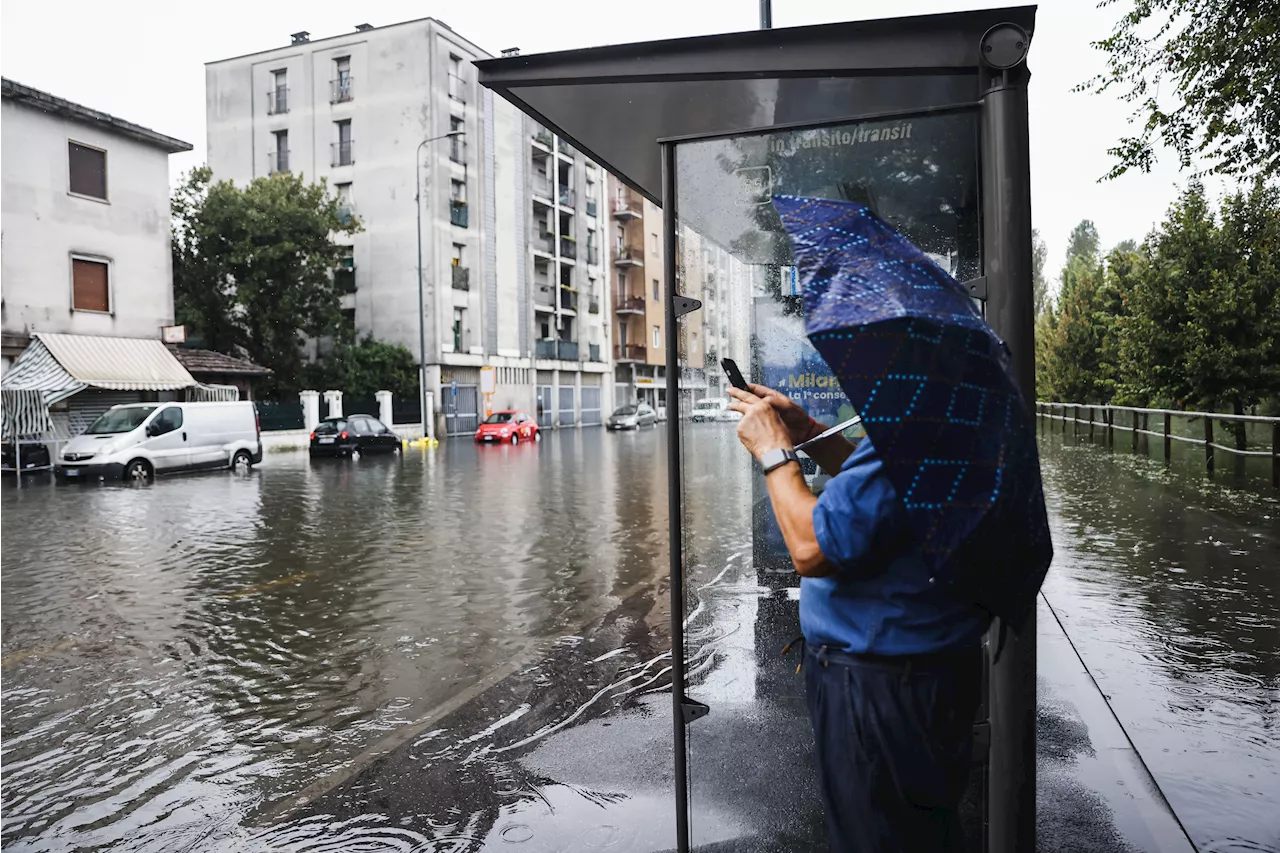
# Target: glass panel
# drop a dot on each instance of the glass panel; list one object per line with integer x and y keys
{"x": 752, "y": 780}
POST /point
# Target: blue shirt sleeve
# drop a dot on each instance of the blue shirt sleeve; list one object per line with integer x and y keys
{"x": 856, "y": 512}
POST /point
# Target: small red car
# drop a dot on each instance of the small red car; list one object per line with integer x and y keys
{"x": 510, "y": 426}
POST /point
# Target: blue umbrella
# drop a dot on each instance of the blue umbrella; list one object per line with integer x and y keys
{"x": 937, "y": 397}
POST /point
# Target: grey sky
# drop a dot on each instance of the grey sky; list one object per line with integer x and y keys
{"x": 144, "y": 61}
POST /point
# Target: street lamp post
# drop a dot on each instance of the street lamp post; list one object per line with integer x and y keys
{"x": 427, "y": 428}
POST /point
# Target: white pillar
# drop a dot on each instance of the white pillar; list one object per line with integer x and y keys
{"x": 384, "y": 407}
{"x": 310, "y": 409}
{"x": 334, "y": 399}
{"x": 431, "y": 415}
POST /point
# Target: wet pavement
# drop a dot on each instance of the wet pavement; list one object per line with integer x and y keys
{"x": 468, "y": 650}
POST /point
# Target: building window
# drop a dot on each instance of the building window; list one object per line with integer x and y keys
{"x": 280, "y": 157}
{"x": 622, "y": 332}
{"x": 456, "y": 84}
{"x": 90, "y": 284}
{"x": 693, "y": 342}
{"x": 657, "y": 337}
{"x": 458, "y": 191}
{"x": 345, "y": 275}
{"x": 88, "y": 170}
{"x": 657, "y": 289}
{"x": 457, "y": 145}
{"x": 653, "y": 243}
{"x": 349, "y": 318}
{"x": 278, "y": 96}
{"x": 341, "y": 79}
{"x": 344, "y": 202}
{"x": 459, "y": 315}
{"x": 342, "y": 152}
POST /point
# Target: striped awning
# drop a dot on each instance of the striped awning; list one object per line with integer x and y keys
{"x": 37, "y": 371}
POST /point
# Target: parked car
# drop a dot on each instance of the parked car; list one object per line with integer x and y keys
{"x": 508, "y": 425}
{"x": 140, "y": 440}
{"x": 632, "y": 416}
{"x": 713, "y": 409}
{"x": 350, "y": 436}
{"x": 34, "y": 455}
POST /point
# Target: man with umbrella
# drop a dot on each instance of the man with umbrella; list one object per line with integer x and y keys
{"x": 931, "y": 526}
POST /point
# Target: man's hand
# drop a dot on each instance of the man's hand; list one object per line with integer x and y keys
{"x": 761, "y": 428}
{"x": 800, "y": 426}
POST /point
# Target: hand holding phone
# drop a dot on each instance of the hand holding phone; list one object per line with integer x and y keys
{"x": 735, "y": 375}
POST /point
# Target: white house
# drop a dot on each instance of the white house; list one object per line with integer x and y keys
{"x": 510, "y": 220}
{"x": 85, "y": 230}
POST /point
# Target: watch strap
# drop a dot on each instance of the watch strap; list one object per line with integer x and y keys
{"x": 778, "y": 457}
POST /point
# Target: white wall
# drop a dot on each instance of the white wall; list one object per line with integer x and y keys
{"x": 43, "y": 225}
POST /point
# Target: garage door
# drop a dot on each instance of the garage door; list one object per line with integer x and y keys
{"x": 461, "y": 412}
{"x": 590, "y": 405}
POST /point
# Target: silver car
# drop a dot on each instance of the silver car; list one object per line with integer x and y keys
{"x": 632, "y": 416}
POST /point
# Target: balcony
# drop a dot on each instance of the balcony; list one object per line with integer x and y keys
{"x": 568, "y": 248}
{"x": 568, "y": 299}
{"x": 592, "y": 208}
{"x": 458, "y": 213}
{"x": 277, "y": 161}
{"x": 629, "y": 352}
{"x": 567, "y": 197}
{"x": 628, "y": 255}
{"x": 343, "y": 153}
{"x": 593, "y": 254}
{"x": 340, "y": 90}
{"x": 567, "y": 350}
{"x": 345, "y": 214}
{"x": 278, "y": 101}
{"x": 458, "y": 150}
{"x": 544, "y": 241}
{"x": 345, "y": 279}
{"x": 457, "y": 88}
{"x": 566, "y": 149}
{"x": 628, "y": 208}
{"x": 543, "y": 297}
{"x": 542, "y": 136}
{"x": 461, "y": 277}
{"x": 544, "y": 349}
{"x": 541, "y": 186}
{"x": 593, "y": 352}
{"x": 623, "y": 304}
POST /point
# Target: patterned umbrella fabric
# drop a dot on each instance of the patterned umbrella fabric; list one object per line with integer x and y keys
{"x": 933, "y": 385}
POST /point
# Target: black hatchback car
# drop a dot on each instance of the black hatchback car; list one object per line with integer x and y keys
{"x": 351, "y": 435}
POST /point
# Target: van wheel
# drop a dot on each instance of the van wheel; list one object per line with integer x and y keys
{"x": 241, "y": 462}
{"x": 138, "y": 471}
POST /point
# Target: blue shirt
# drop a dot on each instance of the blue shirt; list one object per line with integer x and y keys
{"x": 879, "y": 600}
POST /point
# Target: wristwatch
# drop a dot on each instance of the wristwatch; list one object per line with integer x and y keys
{"x": 778, "y": 457}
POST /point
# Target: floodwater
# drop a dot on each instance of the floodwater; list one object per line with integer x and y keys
{"x": 467, "y": 649}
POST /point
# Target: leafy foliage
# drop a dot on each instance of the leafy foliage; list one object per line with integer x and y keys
{"x": 362, "y": 369}
{"x": 253, "y": 267}
{"x": 1039, "y": 284}
{"x": 1215, "y": 64}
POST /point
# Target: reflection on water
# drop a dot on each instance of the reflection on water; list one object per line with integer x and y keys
{"x": 180, "y": 656}
{"x": 1167, "y": 585}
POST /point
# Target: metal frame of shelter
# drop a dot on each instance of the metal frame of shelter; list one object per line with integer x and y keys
{"x": 630, "y": 106}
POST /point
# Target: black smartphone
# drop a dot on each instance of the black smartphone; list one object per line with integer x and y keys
{"x": 735, "y": 375}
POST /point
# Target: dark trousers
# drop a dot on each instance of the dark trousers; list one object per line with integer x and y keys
{"x": 894, "y": 740}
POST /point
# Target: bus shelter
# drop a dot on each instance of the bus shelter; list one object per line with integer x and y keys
{"x": 924, "y": 119}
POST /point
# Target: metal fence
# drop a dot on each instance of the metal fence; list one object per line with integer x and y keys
{"x": 360, "y": 406}
{"x": 407, "y": 409}
{"x": 1105, "y": 421}
{"x": 461, "y": 410}
{"x": 275, "y": 415}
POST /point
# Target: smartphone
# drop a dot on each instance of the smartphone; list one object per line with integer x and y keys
{"x": 735, "y": 375}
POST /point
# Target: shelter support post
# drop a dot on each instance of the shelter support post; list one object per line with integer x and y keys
{"x": 1006, "y": 178}
{"x": 1168, "y": 441}
{"x": 1208, "y": 445}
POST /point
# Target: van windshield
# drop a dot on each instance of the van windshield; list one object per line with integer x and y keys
{"x": 120, "y": 420}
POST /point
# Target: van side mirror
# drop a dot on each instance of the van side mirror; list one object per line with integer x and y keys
{"x": 152, "y": 430}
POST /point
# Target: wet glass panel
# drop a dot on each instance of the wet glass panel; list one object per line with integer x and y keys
{"x": 753, "y": 783}
{"x": 605, "y": 116}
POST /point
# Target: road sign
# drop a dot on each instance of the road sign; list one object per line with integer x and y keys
{"x": 453, "y": 386}
{"x": 488, "y": 380}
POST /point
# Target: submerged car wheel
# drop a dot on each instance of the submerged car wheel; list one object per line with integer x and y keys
{"x": 137, "y": 471}
{"x": 241, "y": 462}
{"x": 515, "y": 438}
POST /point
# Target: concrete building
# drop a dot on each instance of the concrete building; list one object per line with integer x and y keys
{"x": 638, "y": 288}
{"x": 85, "y": 222}
{"x": 366, "y": 111}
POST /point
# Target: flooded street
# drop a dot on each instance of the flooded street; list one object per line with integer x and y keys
{"x": 440, "y": 653}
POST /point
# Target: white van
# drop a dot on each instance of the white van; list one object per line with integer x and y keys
{"x": 713, "y": 409}
{"x": 141, "y": 440}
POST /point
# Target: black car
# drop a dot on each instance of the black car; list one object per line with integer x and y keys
{"x": 33, "y": 455}
{"x": 352, "y": 435}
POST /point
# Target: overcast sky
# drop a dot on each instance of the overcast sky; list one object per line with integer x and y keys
{"x": 143, "y": 61}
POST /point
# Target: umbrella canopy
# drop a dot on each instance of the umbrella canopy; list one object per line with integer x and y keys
{"x": 937, "y": 397}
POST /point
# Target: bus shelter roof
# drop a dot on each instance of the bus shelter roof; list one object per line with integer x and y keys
{"x": 616, "y": 102}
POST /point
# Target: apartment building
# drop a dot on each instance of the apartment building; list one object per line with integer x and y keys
{"x": 638, "y": 290}
{"x": 86, "y": 222}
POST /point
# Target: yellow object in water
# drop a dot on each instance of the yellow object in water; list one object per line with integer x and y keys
{"x": 422, "y": 443}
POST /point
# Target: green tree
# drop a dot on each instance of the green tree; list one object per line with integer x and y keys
{"x": 1039, "y": 284}
{"x": 253, "y": 267}
{"x": 1202, "y": 76}
{"x": 362, "y": 369}
{"x": 1080, "y": 366}
{"x": 1083, "y": 242}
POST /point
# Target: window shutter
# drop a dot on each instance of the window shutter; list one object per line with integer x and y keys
{"x": 88, "y": 170}
{"x": 90, "y": 291}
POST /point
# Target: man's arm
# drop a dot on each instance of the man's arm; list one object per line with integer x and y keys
{"x": 829, "y": 453}
{"x": 793, "y": 505}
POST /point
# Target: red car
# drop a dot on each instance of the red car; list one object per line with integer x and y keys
{"x": 508, "y": 426}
